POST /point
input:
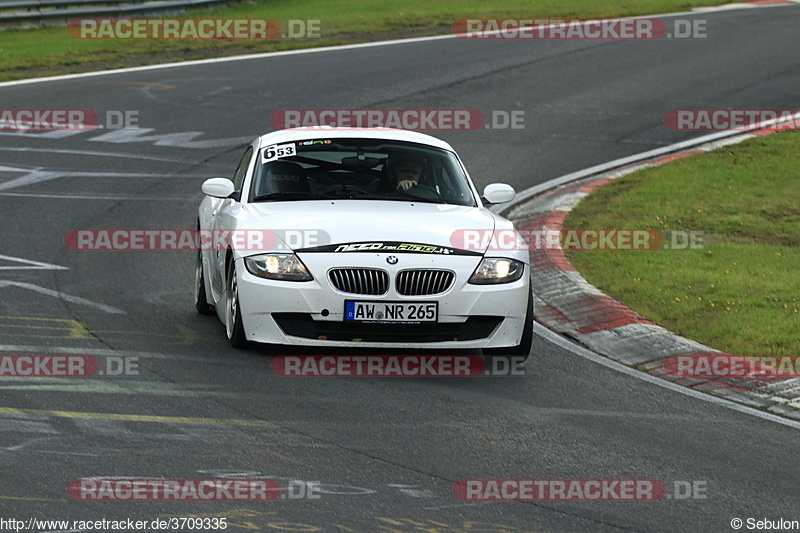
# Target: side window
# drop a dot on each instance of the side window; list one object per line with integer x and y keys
{"x": 446, "y": 182}
{"x": 449, "y": 189}
{"x": 241, "y": 170}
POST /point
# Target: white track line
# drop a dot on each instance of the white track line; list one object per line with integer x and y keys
{"x": 356, "y": 46}
{"x": 638, "y": 374}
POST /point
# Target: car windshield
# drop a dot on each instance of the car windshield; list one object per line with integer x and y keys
{"x": 361, "y": 169}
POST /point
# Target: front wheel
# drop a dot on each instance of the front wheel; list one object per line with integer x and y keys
{"x": 233, "y": 316}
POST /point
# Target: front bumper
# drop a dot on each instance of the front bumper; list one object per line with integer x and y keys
{"x": 312, "y": 313}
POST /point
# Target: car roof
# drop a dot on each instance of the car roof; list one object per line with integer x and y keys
{"x": 325, "y": 132}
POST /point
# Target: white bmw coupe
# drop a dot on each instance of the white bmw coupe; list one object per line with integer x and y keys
{"x": 355, "y": 237}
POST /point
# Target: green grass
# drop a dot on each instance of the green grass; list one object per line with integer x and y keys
{"x": 740, "y": 294}
{"x": 50, "y": 51}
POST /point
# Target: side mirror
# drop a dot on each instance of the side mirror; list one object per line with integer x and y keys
{"x": 498, "y": 193}
{"x": 218, "y": 187}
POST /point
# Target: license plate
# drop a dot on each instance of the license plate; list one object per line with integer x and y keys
{"x": 391, "y": 312}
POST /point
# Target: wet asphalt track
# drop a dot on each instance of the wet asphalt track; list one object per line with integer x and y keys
{"x": 386, "y": 451}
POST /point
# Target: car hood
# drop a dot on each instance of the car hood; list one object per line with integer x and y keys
{"x": 312, "y": 225}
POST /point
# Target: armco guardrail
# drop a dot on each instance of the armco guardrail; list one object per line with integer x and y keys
{"x": 34, "y": 13}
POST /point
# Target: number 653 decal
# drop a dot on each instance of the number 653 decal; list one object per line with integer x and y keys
{"x": 278, "y": 150}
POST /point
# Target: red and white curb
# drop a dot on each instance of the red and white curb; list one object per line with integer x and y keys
{"x": 740, "y": 5}
{"x": 566, "y": 303}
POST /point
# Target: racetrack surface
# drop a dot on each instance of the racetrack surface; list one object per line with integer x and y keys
{"x": 386, "y": 451}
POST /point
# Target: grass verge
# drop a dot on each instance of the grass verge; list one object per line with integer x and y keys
{"x": 51, "y": 51}
{"x": 738, "y": 294}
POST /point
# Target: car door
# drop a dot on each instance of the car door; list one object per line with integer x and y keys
{"x": 222, "y": 220}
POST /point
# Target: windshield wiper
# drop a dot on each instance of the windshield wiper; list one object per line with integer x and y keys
{"x": 395, "y": 197}
{"x": 414, "y": 198}
{"x": 287, "y": 196}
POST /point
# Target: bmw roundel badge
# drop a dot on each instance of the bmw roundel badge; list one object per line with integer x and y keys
{"x": 392, "y": 259}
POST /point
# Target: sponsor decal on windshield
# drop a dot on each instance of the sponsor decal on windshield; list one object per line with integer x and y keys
{"x": 395, "y": 247}
{"x": 314, "y": 141}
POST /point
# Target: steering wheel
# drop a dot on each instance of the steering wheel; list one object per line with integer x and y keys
{"x": 424, "y": 192}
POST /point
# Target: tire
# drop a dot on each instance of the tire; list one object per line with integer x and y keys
{"x": 523, "y": 349}
{"x": 200, "y": 297}
{"x": 233, "y": 316}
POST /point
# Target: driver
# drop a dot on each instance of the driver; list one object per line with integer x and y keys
{"x": 406, "y": 173}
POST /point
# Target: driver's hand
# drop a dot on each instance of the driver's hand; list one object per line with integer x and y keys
{"x": 406, "y": 184}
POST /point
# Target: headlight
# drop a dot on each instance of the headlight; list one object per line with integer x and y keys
{"x": 287, "y": 267}
{"x": 497, "y": 270}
